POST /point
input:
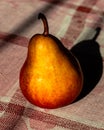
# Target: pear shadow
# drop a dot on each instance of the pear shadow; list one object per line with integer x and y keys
{"x": 88, "y": 54}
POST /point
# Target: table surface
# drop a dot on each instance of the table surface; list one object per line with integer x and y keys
{"x": 72, "y": 21}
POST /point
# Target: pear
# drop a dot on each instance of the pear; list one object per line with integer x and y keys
{"x": 51, "y": 76}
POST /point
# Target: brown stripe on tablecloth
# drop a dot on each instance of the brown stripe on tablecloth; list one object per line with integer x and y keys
{"x": 81, "y": 8}
{"x": 78, "y": 21}
{"x": 13, "y": 38}
{"x": 23, "y": 41}
{"x": 84, "y": 9}
{"x": 18, "y": 110}
{"x": 12, "y": 115}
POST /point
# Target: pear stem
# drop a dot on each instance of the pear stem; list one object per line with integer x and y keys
{"x": 45, "y": 23}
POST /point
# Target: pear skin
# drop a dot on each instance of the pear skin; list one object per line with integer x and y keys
{"x": 51, "y": 76}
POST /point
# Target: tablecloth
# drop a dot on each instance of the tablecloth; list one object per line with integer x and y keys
{"x": 71, "y": 21}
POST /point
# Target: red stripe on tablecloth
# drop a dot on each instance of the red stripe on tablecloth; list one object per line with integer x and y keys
{"x": 23, "y": 41}
{"x": 84, "y": 9}
{"x": 78, "y": 21}
{"x": 80, "y": 8}
{"x": 13, "y": 38}
{"x": 18, "y": 110}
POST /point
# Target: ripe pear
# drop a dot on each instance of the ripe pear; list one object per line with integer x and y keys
{"x": 51, "y": 76}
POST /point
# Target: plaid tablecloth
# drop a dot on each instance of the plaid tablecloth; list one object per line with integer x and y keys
{"x": 71, "y": 21}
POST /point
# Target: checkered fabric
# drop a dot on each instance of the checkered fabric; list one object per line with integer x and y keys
{"x": 71, "y": 21}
